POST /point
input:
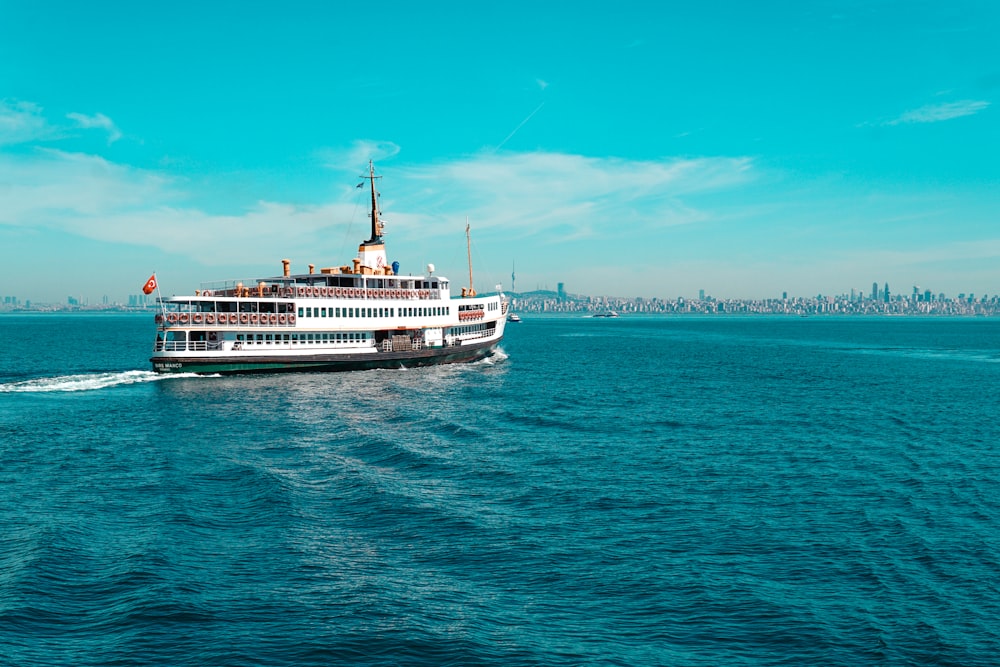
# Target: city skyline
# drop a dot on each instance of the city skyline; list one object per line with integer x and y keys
{"x": 879, "y": 294}
{"x": 650, "y": 150}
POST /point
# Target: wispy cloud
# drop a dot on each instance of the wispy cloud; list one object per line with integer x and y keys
{"x": 357, "y": 154}
{"x": 530, "y": 193}
{"x": 936, "y": 113}
{"x": 99, "y": 121}
{"x": 526, "y": 195}
{"x": 548, "y": 197}
{"x": 94, "y": 198}
{"x": 21, "y": 122}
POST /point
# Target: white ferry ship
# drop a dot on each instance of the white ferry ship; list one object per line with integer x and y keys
{"x": 353, "y": 317}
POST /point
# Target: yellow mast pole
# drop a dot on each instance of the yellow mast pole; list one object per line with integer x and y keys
{"x": 468, "y": 250}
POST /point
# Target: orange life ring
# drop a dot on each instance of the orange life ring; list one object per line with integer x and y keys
{"x": 254, "y": 318}
{"x": 272, "y": 318}
{"x": 302, "y": 291}
{"x": 183, "y": 318}
{"x": 207, "y": 292}
{"x": 196, "y": 318}
{"x": 158, "y": 319}
{"x": 244, "y": 318}
{"x": 210, "y": 319}
{"x": 291, "y": 318}
{"x": 350, "y": 292}
{"x": 172, "y": 318}
{"x": 339, "y": 291}
{"x": 283, "y": 319}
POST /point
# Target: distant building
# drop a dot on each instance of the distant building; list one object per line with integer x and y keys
{"x": 561, "y": 291}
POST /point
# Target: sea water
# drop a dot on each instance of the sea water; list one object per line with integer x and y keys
{"x": 661, "y": 491}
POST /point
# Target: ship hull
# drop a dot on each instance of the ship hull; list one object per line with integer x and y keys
{"x": 322, "y": 363}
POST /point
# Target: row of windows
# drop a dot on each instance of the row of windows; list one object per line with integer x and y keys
{"x": 471, "y": 328}
{"x": 304, "y": 339}
{"x": 435, "y": 311}
{"x": 229, "y": 307}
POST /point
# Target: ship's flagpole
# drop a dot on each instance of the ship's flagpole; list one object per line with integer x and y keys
{"x": 468, "y": 250}
{"x": 159, "y": 297}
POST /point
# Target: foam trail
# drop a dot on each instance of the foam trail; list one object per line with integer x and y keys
{"x": 498, "y": 355}
{"x": 86, "y": 382}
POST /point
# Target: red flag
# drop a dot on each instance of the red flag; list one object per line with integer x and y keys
{"x": 150, "y": 285}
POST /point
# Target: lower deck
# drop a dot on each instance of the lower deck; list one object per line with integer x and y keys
{"x": 317, "y": 360}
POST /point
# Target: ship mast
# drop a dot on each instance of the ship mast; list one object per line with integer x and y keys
{"x": 468, "y": 250}
{"x": 376, "y": 223}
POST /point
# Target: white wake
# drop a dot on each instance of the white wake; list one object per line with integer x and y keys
{"x": 86, "y": 382}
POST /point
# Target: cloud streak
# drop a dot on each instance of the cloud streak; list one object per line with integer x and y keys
{"x": 532, "y": 192}
{"x": 936, "y": 113}
{"x": 357, "y": 154}
{"x": 99, "y": 121}
{"x": 22, "y": 122}
{"x": 525, "y": 194}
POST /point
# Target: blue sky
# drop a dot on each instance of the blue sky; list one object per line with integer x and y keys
{"x": 625, "y": 149}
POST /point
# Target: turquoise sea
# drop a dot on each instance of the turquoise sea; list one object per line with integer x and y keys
{"x": 660, "y": 491}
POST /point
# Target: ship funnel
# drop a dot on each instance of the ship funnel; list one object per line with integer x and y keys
{"x": 286, "y": 263}
{"x": 312, "y": 269}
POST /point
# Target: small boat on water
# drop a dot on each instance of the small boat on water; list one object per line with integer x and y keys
{"x": 362, "y": 315}
{"x": 513, "y": 317}
{"x": 607, "y": 313}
